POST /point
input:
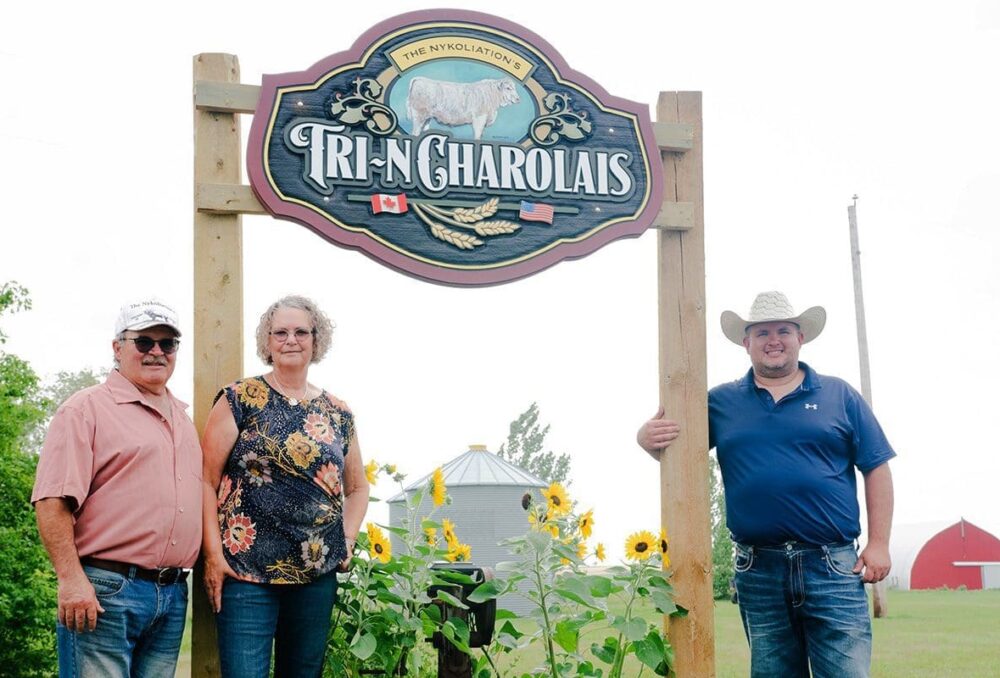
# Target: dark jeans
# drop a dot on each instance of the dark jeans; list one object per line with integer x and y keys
{"x": 803, "y": 608}
{"x": 296, "y": 617}
{"x": 138, "y": 634}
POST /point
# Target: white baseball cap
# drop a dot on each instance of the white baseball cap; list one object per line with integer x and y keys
{"x": 145, "y": 313}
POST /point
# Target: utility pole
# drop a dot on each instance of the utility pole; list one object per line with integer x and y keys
{"x": 879, "y": 608}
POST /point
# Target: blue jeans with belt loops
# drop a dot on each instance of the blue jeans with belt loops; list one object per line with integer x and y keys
{"x": 803, "y": 607}
{"x": 137, "y": 636}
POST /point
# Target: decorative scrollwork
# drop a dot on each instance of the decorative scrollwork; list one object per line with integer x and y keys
{"x": 363, "y": 108}
{"x": 561, "y": 122}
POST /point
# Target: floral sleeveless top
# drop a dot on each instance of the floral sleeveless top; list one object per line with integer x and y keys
{"x": 281, "y": 499}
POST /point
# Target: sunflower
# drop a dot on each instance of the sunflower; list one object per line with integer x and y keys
{"x": 390, "y": 469}
{"x": 536, "y": 518}
{"x": 459, "y": 553}
{"x": 431, "y": 535}
{"x": 640, "y": 545}
{"x": 599, "y": 552}
{"x": 587, "y": 523}
{"x": 581, "y": 550}
{"x": 558, "y": 502}
{"x": 438, "y": 490}
{"x": 552, "y": 529}
{"x": 371, "y": 472}
{"x": 379, "y": 547}
{"x": 448, "y": 530}
{"x": 664, "y": 547}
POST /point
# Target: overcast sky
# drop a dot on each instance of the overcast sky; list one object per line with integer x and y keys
{"x": 805, "y": 105}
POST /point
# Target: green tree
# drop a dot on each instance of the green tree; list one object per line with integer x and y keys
{"x": 722, "y": 542}
{"x": 27, "y": 584}
{"x": 54, "y": 394}
{"x": 525, "y": 448}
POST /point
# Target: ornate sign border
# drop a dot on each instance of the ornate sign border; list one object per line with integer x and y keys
{"x": 357, "y": 236}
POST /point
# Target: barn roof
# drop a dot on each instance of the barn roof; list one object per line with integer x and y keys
{"x": 905, "y": 543}
{"x": 478, "y": 466}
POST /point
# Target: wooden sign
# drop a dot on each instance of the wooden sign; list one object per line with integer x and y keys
{"x": 456, "y": 147}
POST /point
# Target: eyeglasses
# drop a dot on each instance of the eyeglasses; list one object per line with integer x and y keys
{"x": 145, "y": 344}
{"x": 300, "y": 334}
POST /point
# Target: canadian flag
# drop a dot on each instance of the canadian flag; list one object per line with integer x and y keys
{"x": 396, "y": 204}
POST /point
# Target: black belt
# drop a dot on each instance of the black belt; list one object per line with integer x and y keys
{"x": 164, "y": 576}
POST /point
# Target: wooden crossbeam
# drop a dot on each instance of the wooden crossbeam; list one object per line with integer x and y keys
{"x": 225, "y": 97}
{"x": 226, "y": 199}
{"x": 674, "y": 136}
{"x": 675, "y": 216}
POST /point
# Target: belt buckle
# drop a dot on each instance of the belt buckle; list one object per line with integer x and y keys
{"x": 167, "y": 576}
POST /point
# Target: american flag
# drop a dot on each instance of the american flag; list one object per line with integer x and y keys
{"x": 536, "y": 211}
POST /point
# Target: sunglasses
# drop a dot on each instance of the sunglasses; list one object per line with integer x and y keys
{"x": 146, "y": 344}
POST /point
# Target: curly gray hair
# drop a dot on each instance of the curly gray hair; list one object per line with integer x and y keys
{"x": 322, "y": 326}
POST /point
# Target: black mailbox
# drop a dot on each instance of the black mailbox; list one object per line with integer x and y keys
{"x": 481, "y": 617}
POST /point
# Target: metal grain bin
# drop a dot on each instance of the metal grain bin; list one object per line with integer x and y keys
{"x": 486, "y": 494}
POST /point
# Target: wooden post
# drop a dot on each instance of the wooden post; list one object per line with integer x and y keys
{"x": 218, "y": 298}
{"x": 684, "y": 469}
{"x": 879, "y": 607}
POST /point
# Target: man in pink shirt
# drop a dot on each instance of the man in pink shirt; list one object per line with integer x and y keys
{"x": 118, "y": 498}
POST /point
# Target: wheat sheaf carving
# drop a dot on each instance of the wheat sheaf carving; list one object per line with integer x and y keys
{"x": 476, "y": 219}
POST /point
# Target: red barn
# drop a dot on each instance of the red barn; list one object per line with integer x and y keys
{"x": 936, "y": 555}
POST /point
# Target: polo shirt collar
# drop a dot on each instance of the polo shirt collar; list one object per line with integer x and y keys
{"x": 811, "y": 381}
{"x": 124, "y": 391}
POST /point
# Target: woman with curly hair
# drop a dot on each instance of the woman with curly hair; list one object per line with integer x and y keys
{"x": 285, "y": 495}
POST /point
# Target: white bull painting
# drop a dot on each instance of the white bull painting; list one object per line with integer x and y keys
{"x": 458, "y": 103}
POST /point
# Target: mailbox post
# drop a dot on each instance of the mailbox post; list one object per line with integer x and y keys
{"x": 480, "y": 618}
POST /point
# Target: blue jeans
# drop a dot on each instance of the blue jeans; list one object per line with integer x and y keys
{"x": 138, "y": 634}
{"x": 802, "y": 608}
{"x": 296, "y": 617}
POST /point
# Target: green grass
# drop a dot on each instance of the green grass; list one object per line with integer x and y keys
{"x": 938, "y": 634}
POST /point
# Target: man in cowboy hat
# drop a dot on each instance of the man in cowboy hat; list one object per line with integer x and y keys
{"x": 788, "y": 441}
{"x": 118, "y": 497}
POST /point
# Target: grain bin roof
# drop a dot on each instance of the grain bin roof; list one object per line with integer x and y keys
{"x": 479, "y": 466}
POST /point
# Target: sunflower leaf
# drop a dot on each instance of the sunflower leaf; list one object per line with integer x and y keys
{"x": 651, "y": 652}
{"x": 363, "y": 646}
{"x": 567, "y": 635}
{"x": 488, "y": 590}
{"x": 632, "y": 629}
{"x": 450, "y": 599}
{"x": 606, "y": 652}
{"x": 663, "y": 602}
{"x": 457, "y": 631}
{"x": 538, "y": 540}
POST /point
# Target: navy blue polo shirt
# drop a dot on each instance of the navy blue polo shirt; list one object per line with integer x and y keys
{"x": 788, "y": 467}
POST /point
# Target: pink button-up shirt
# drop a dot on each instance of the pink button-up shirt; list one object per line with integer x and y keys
{"x": 132, "y": 477}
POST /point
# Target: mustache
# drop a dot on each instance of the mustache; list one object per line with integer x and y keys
{"x": 156, "y": 360}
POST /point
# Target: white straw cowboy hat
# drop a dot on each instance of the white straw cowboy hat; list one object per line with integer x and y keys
{"x": 774, "y": 307}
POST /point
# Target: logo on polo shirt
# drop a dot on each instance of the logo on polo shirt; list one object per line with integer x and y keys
{"x": 812, "y": 406}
